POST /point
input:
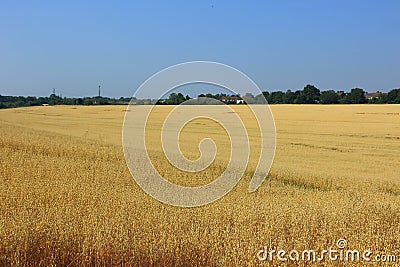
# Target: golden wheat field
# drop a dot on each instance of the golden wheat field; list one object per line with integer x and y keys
{"x": 67, "y": 197}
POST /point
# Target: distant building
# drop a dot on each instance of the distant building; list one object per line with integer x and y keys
{"x": 239, "y": 101}
{"x": 377, "y": 94}
{"x": 232, "y": 99}
{"x": 224, "y": 99}
{"x": 341, "y": 93}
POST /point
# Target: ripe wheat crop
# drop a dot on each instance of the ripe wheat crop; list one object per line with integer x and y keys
{"x": 67, "y": 197}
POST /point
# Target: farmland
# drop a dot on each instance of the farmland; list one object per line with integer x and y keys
{"x": 67, "y": 197}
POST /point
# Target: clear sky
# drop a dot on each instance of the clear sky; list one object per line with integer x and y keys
{"x": 74, "y": 46}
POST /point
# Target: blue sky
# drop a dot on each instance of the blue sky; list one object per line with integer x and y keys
{"x": 74, "y": 46}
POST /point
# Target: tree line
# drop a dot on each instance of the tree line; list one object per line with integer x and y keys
{"x": 308, "y": 95}
{"x": 312, "y": 95}
{"x": 21, "y": 101}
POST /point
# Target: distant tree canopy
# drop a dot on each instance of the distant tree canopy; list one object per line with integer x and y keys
{"x": 312, "y": 95}
{"x": 309, "y": 95}
{"x": 393, "y": 97}
{"x": 356, "y": 96}
{"x": 173, "y": 99}
{"x": 329, "y": 97}
{"x": 20, "y": 101}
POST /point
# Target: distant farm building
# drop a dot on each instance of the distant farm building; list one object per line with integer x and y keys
{"x": 232, "y": 99}
{"x": 377, "y": 94}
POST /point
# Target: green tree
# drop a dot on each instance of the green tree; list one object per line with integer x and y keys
{"x": 329, "y": 97}
{"x": 249, "y": 98}
{"x": 260, "y": 99}
{"x": 289, "y": 97}
{"x": 393, "y": 96}
{"x": 277, "y": 97}
{"x": 309, "y": 95}
{"x": 87, "y": 101}
{"x": 54, "y": 100}
{"x": 267, "y": 96}
{"x": 356, "y": 96}
{"x": 175, "y": 99}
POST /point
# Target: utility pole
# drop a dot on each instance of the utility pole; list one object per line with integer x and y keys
{"x": 99, "y": 91}
{"x": 54, "y": 91}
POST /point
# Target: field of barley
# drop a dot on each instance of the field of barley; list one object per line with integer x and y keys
{"x": 67, "y": 197}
